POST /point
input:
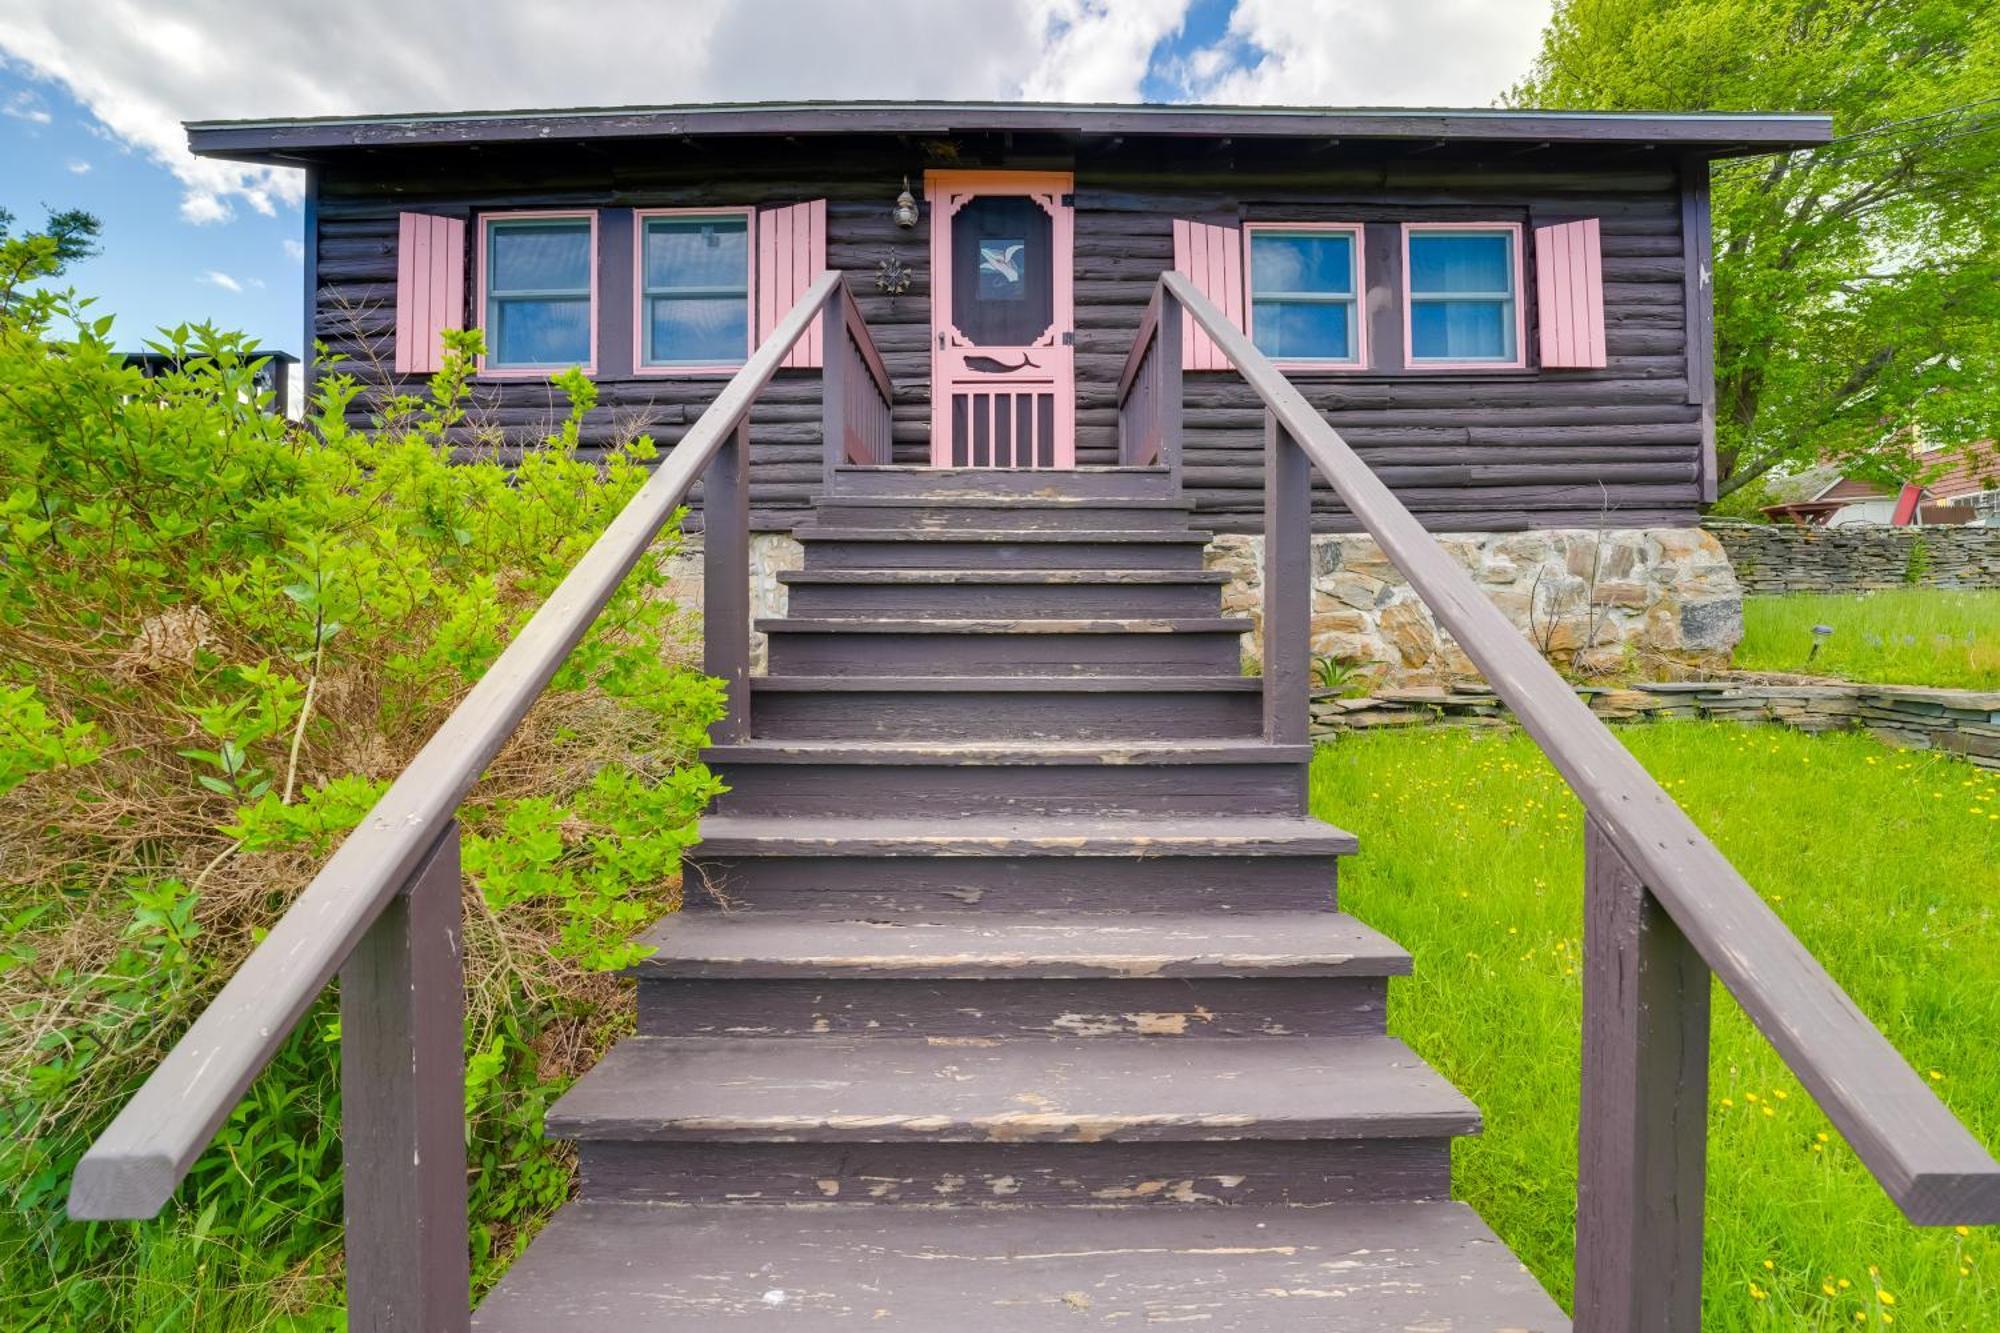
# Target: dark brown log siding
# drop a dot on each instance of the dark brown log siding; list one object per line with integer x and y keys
{"x": 1481, "y": 451}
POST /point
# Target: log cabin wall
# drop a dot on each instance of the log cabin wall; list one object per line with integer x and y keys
{"x": 1468, "y": 451}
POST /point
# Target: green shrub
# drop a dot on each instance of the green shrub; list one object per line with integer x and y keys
{"x": 220, "y": 637}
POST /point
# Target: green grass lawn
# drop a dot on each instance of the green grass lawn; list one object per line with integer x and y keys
{"x": 1898, "y": 636}
{"x": 1886, "y": 863}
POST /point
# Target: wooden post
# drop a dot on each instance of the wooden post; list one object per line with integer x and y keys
{"x": 1287, "y": 584}
{"x": 725, "y": 567}
{"x": 835, "y": 385}
{"x": 402, "y": 1092}
{"x": 1166, "y": 347}
{"x": 1640, "y": 1164}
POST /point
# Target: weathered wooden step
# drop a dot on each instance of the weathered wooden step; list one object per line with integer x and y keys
{"x": 967, "y": 974}
{"x": 1057, "y": 1091}
{"x": 1210, "y": 864}
{"x": 972, "y": 779}
{"x": 980, "y": 483}
{"x": 1029, "y": 513}
{"x": 1012, "y": 707}
{"x": 1064, "y": 945}
{"x": 974, "y": 548}
{"x": 988, "y": 593}
{"x": 1361, "y": 1268}
{"x": 1127, "y": 646}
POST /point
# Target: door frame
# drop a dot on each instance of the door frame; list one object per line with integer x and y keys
{"x": 947, "y": 192}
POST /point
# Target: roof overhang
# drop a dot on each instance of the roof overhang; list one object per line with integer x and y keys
{"x": 1711, "y": 134}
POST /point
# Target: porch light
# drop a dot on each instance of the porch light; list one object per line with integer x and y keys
{"x": 906, "y": 207}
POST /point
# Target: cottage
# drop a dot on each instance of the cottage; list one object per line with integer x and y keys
{"x": 1009, "y": 991}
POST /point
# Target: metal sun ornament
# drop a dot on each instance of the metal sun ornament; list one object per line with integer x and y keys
{"x": 893, "y": 276}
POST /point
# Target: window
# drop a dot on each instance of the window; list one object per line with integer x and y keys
{"x": 1462, "y": 285}
{"x": 538, "y": 291}
{"x": 694, "y": 289}
{"x": 1305, "y": 284}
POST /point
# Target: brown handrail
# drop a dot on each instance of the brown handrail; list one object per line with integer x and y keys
{"x": 408, "y": 839}
{"x": 1645, "y": 847}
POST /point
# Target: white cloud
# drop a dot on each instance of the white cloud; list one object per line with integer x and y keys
{"x": 24, "y": 105}
{"x": 141, "y": 71}
{"x": 78, "y": 167}
{"x": 1454, "y": 53}
{"x": 216, "y": 278}
{"x": 294, "y": 251}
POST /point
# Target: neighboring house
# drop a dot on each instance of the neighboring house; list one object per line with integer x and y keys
{"x": 1961, "y": 490}
{"x": 278, "y": 377}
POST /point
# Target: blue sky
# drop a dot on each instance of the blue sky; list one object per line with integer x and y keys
{"x": 92, "y": 95}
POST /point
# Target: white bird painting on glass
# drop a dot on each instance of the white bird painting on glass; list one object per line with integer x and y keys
{"x": 1002, "y": 261}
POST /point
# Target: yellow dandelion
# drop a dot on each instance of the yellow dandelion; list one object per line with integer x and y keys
{"x": 1884, "y": 1297}
{"x": 1727, "y": 1104}
{"x": 1828, "y": 1287}
{"x": 1821, "y": 1136}
{"x": 1768, "y": 1111}
{"x": 1937, "y": 1076}
{"x": 1781, "y": 1094}
{"x": 1963, "y": 1231}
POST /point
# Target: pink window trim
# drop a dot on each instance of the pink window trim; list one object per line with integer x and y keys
{"x": 639, "y": 367}
{"x": 479, "y": 320}
{"x": 1520, "y": 361}
{"x": 1360, "y": 281}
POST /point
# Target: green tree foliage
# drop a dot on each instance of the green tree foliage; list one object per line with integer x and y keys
{"x": 67, "y": 236}
{"x": 221, "y": 635}
{"x": 1857, "y": 287}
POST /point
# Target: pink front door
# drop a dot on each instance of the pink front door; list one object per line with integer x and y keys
{"x": 1003, "y": 359}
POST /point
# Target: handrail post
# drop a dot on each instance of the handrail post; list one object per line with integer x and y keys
{"x": 725, "y": 567}
{"x": 1287, "y": 656}
{"x": 1643, "y": 1120}
{"x": 1167, "y": 347}
{"x": 402, "y": 1095}
{"x": 835, "y": 386}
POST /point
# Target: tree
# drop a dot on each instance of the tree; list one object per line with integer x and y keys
{"x": 65, "y": 238}
{"x": 1857, "y": 286}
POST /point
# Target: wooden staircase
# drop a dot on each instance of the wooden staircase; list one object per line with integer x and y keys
{"x": 1010, "y": 993}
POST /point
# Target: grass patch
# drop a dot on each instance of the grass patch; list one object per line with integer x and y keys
{"x": 1898, "y": 636}
{"x": 1885, "y": 863}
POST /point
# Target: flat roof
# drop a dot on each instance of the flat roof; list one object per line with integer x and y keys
{"x": 1719, "y": 134}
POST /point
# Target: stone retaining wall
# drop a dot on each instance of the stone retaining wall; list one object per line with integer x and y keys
{"x": 1963, "y": 722}
{"x": 1783, "y": 557}
{"x": 1661, "y": 598}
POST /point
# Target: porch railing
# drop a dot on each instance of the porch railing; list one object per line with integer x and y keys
{"x": 383, "y": 912}
{"x": 1662, "y": 907}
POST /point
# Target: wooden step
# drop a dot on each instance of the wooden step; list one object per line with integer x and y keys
{"x": 1026, "y": 513}
{"x": 1127, "y": 646}
{"x": 950, "y": 780}
{"x": 968, "y": 974}
{"x": 661, "y": 1089}
{"x": 988, "y": 593}
{"x": 1360, "y": 1268}
{"x": 829, "y": 547}
{"x": 1006, "y": 707}
{"x": 980, "y": 483}
{"x": 849, "y": 864}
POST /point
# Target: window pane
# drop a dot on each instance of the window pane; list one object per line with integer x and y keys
{"x": 1304, "y": 330}
{"x": 1462, "y": 331}
{"x": 539, "y": 256}
{"x": 1461, "y": 262}
{"x": 697, "y": 330}
{"x": 541, "y": 333}
{"x": 698, "y": 252}
{"x": 1302, "y": 263}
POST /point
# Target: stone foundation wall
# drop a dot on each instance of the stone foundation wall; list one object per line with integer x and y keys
{"x": 1663, "y": 600}
{"x": 1962, "y": 722}
{"x": 1775, "y": 558}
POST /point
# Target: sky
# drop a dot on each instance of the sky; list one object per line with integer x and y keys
{"x": 92, "y": 95}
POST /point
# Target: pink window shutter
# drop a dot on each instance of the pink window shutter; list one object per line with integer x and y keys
{"x": 1213, "y": 257}
{"x": 791, "y": 252}
{"x": 430, "y": 289}
{"x": 1569, "y": 289}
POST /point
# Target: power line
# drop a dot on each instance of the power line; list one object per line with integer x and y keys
{"x": 1964, "y": 127}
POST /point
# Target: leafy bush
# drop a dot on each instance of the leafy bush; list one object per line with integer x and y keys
{"x": 220, "y": 636}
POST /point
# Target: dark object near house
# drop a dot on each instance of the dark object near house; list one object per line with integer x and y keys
{"x": 274, "y": 378}
{"x": 1032, "y": 1005}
